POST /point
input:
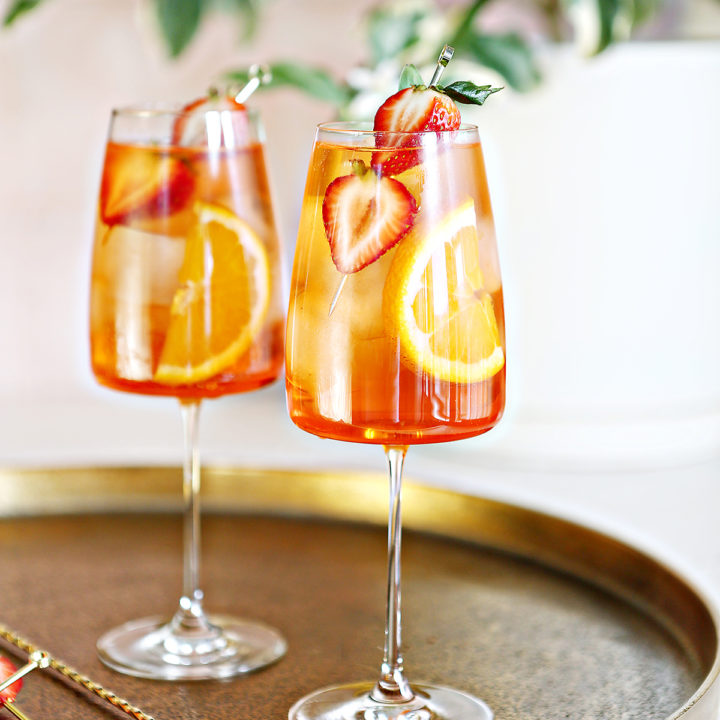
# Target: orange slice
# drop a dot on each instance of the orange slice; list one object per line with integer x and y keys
{"x": 434, "y": 301}
{"x": 222, "y": 301}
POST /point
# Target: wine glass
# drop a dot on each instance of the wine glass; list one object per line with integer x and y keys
{"x": 395, "y": 337}
{"x": 186, "y": 302}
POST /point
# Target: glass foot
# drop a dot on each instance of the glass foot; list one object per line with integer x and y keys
{"x": 353, "y": 702}
{"x": 155, "y": 648}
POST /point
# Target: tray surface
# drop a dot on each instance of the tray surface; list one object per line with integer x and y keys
{"x": 532, "y": 641}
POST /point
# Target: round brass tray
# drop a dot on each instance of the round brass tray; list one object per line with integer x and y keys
{"x": 540, "y": 617}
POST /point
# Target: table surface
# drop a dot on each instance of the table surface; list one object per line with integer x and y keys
{"x": 470, "y": 614}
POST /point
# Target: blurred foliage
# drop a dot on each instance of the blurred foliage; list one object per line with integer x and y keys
{"x": 412, "y": 31}
{"x": 390, "y": 33}
{"x": 18, "y": 8}
{"x": 177, "y": 20}
{"x": 316, "y": 82}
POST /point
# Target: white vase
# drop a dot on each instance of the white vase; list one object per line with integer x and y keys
{"x": 606, "y": 190}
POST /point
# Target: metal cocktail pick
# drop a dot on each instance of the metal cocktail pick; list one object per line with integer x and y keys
{"x": 336, "y": 296}
{"x": 41, "y": 659}
{"x": 10, "y": 706}
{"x": 258, "y": 75}
{"x": 442, "y": 61}
{"x": 37, "y": 659}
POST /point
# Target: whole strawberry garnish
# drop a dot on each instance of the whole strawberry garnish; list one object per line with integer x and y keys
{"x": 190, "y": 127}
{"x": 417, "y": 108}
{"x": 364, "y": 216}
{"x": 6, "y": 670}
{"x": 414, "y": 109}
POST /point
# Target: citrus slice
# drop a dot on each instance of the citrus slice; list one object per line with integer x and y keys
{"x": 435, "y": 302}
{"x": 222, "y": 301}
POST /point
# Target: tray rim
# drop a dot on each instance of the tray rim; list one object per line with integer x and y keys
{"x": 508, "y": 527}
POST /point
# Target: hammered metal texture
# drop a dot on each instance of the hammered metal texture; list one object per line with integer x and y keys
{"x": 533, "y": 642}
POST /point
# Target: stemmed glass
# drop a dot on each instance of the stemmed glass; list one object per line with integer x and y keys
{"x": 186, "y": 302}
{"x": 395, "y": 337}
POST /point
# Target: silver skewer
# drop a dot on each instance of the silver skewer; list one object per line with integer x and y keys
{"x": 259, "y": 75}
{"x": 443, "y": 60}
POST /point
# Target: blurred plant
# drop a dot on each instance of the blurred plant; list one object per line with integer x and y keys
{"x": 177, "y": 20}
{"x": 409, "y": 32}
{"x": 414, "y": 31}
{"x": 488, "y": 35}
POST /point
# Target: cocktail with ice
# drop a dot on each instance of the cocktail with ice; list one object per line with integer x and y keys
{"x": 396, "y": 326}
{"x": 186, "y": 302}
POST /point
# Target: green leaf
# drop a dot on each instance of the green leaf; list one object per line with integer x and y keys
{"x": 466, "y": 22}
{"x": 508, "y": 54}
{"x": 18, "y": 8}
{"x": 314, "y": 81}
{"x": 643, "y": 10}
{"x": 598, "y": 23}
{"x": 608, "y": 12}
{"x": 392, "y": 31}
{"x": 179, "y": 21}
{"x": 467, "y": 92}
{"x": 410, "y": 77}
{"x": 249, "y": 9}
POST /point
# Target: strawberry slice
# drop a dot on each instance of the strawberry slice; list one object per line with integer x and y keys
{"x": 414, "y": 109}
{"x": 6, "y": 670}
{"x": 191, "y": 125}
{"x": 141, "y": 182}
{"x": 364, "y": 216}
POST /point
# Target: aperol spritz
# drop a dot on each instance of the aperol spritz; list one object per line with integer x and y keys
{"x": 396, "y": 328}
{"x": 186, "y": 302}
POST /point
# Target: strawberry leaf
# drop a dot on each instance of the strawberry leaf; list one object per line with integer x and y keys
{"x": 410, "y": 77}
{"x": 466, "y": 92}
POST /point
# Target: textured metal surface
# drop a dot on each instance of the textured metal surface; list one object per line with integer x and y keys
{"x": 540, "y": 617}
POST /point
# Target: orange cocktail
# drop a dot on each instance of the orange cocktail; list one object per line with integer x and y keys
{"x": 413, "y": 351}
{"x": 184, "y": 292}
{"x": 186, "y": 302}
{"x": 395, "y": 330}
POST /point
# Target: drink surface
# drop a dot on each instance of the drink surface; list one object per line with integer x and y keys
{"x": 413, "y": 351}
{"x": 185, "y": 290}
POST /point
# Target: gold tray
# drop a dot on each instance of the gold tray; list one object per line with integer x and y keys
{"x": 540, "y": 617}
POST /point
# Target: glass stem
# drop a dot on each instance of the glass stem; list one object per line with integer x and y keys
{"x": 190, "y": 616}
{"x": 392, "y": 687}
